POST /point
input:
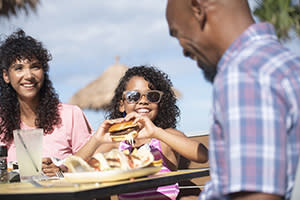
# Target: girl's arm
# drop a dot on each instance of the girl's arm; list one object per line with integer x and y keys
{"x": 190, "y": 149}
{"x": 101, "y": 137}
{"x": 176, "y": 140}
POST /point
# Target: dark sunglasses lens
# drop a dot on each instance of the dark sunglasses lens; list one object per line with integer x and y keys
{"x": 153, "y": 96}
{"x": 132, "y": 96}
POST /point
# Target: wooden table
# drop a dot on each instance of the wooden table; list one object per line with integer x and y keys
{"x": 65, "y": 190}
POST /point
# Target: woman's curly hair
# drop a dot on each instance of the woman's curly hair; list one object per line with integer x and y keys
{"x": 168, "y": 112}
{"x": 18, "y": 46}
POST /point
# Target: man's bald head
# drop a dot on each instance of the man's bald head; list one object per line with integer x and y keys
{"x": 206, "y": 28}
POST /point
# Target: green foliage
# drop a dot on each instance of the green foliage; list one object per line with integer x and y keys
{"x": 282, "y": 14}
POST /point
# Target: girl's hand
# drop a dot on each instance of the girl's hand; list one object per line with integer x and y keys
{"x": 99, "y": 140}
{"x": 147, "y": 128}
{"x": 49, "y": 168}
{"x": 102, "y": 134}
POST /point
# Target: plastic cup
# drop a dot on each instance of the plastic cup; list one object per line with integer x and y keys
{"x": 29, "y": 147}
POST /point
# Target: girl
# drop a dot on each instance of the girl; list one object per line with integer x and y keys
{"x": 145, "y": 94}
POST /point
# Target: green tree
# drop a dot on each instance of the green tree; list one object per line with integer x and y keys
{"x": 283, "y": 14}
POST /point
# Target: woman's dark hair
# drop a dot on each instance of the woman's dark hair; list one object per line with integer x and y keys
{"x": 168, "y": 112}
{"x": 18, "y": 46}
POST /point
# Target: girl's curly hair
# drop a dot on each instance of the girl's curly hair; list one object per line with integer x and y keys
{"x": 168, "y": 112}
{"x": 16, "y": 47}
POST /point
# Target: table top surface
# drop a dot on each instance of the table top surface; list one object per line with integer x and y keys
{"x": 64, "y": 189}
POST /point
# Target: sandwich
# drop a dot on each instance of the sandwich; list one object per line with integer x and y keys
{"x": 124, "y": 131}
{"x": 118, "y": 160}
{"x": 98, "y": 162}
{"x": 77, "y": 164}
{"x": 112, "y": 160}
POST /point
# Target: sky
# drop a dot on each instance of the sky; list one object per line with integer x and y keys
{"x": 84, "y": 37}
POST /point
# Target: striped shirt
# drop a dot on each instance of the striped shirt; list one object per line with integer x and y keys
{"x": 255, "y": 137}
{"x": 169, "y": 192}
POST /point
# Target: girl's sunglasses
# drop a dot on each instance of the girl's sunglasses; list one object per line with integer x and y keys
{"x": 133, "y": 96}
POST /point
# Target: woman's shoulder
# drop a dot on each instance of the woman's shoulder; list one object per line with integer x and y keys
{"x": 69, "y": 109}
{"x": 65, "y": 106}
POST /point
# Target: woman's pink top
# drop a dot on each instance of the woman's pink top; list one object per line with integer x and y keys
{"x": 159, "y": 193}
{"x": 65, "y": 140}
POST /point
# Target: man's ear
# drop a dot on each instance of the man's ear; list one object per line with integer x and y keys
{"x": 5, "y": 76}
{"x": 199, "y": 11}
{"x": 121, "y": 106}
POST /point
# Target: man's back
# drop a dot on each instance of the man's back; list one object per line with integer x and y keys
{"x": 256, "y": 112}
{"x": 254, "y": 143}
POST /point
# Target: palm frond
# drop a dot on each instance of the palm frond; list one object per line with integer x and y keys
{"x": 9, "y": 8}
{"x": 283, "y": 14}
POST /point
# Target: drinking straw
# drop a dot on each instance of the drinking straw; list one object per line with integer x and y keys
{"x": 26, "y": 149}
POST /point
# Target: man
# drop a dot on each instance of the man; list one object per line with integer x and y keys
{"x": 255, "y": 136}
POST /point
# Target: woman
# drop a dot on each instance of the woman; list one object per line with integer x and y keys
{"x": 28, "y": 100}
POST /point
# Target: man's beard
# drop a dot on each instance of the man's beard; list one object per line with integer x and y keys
{"x": 209, "y": 72}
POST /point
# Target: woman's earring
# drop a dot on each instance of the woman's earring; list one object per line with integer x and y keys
{"x": 124, "y": 114}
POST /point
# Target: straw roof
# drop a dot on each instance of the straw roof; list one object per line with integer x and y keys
{"x": 12, "y": 7}
{"x": 98, "y": 94}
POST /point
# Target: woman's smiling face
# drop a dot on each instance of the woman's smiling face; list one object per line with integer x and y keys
{"x": 26, "y": 77}
{"x": 142, "y": 106}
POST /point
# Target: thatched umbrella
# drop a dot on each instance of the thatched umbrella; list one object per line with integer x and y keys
{"x": 12, "y": 7}
{"x": 98, "y": 94}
